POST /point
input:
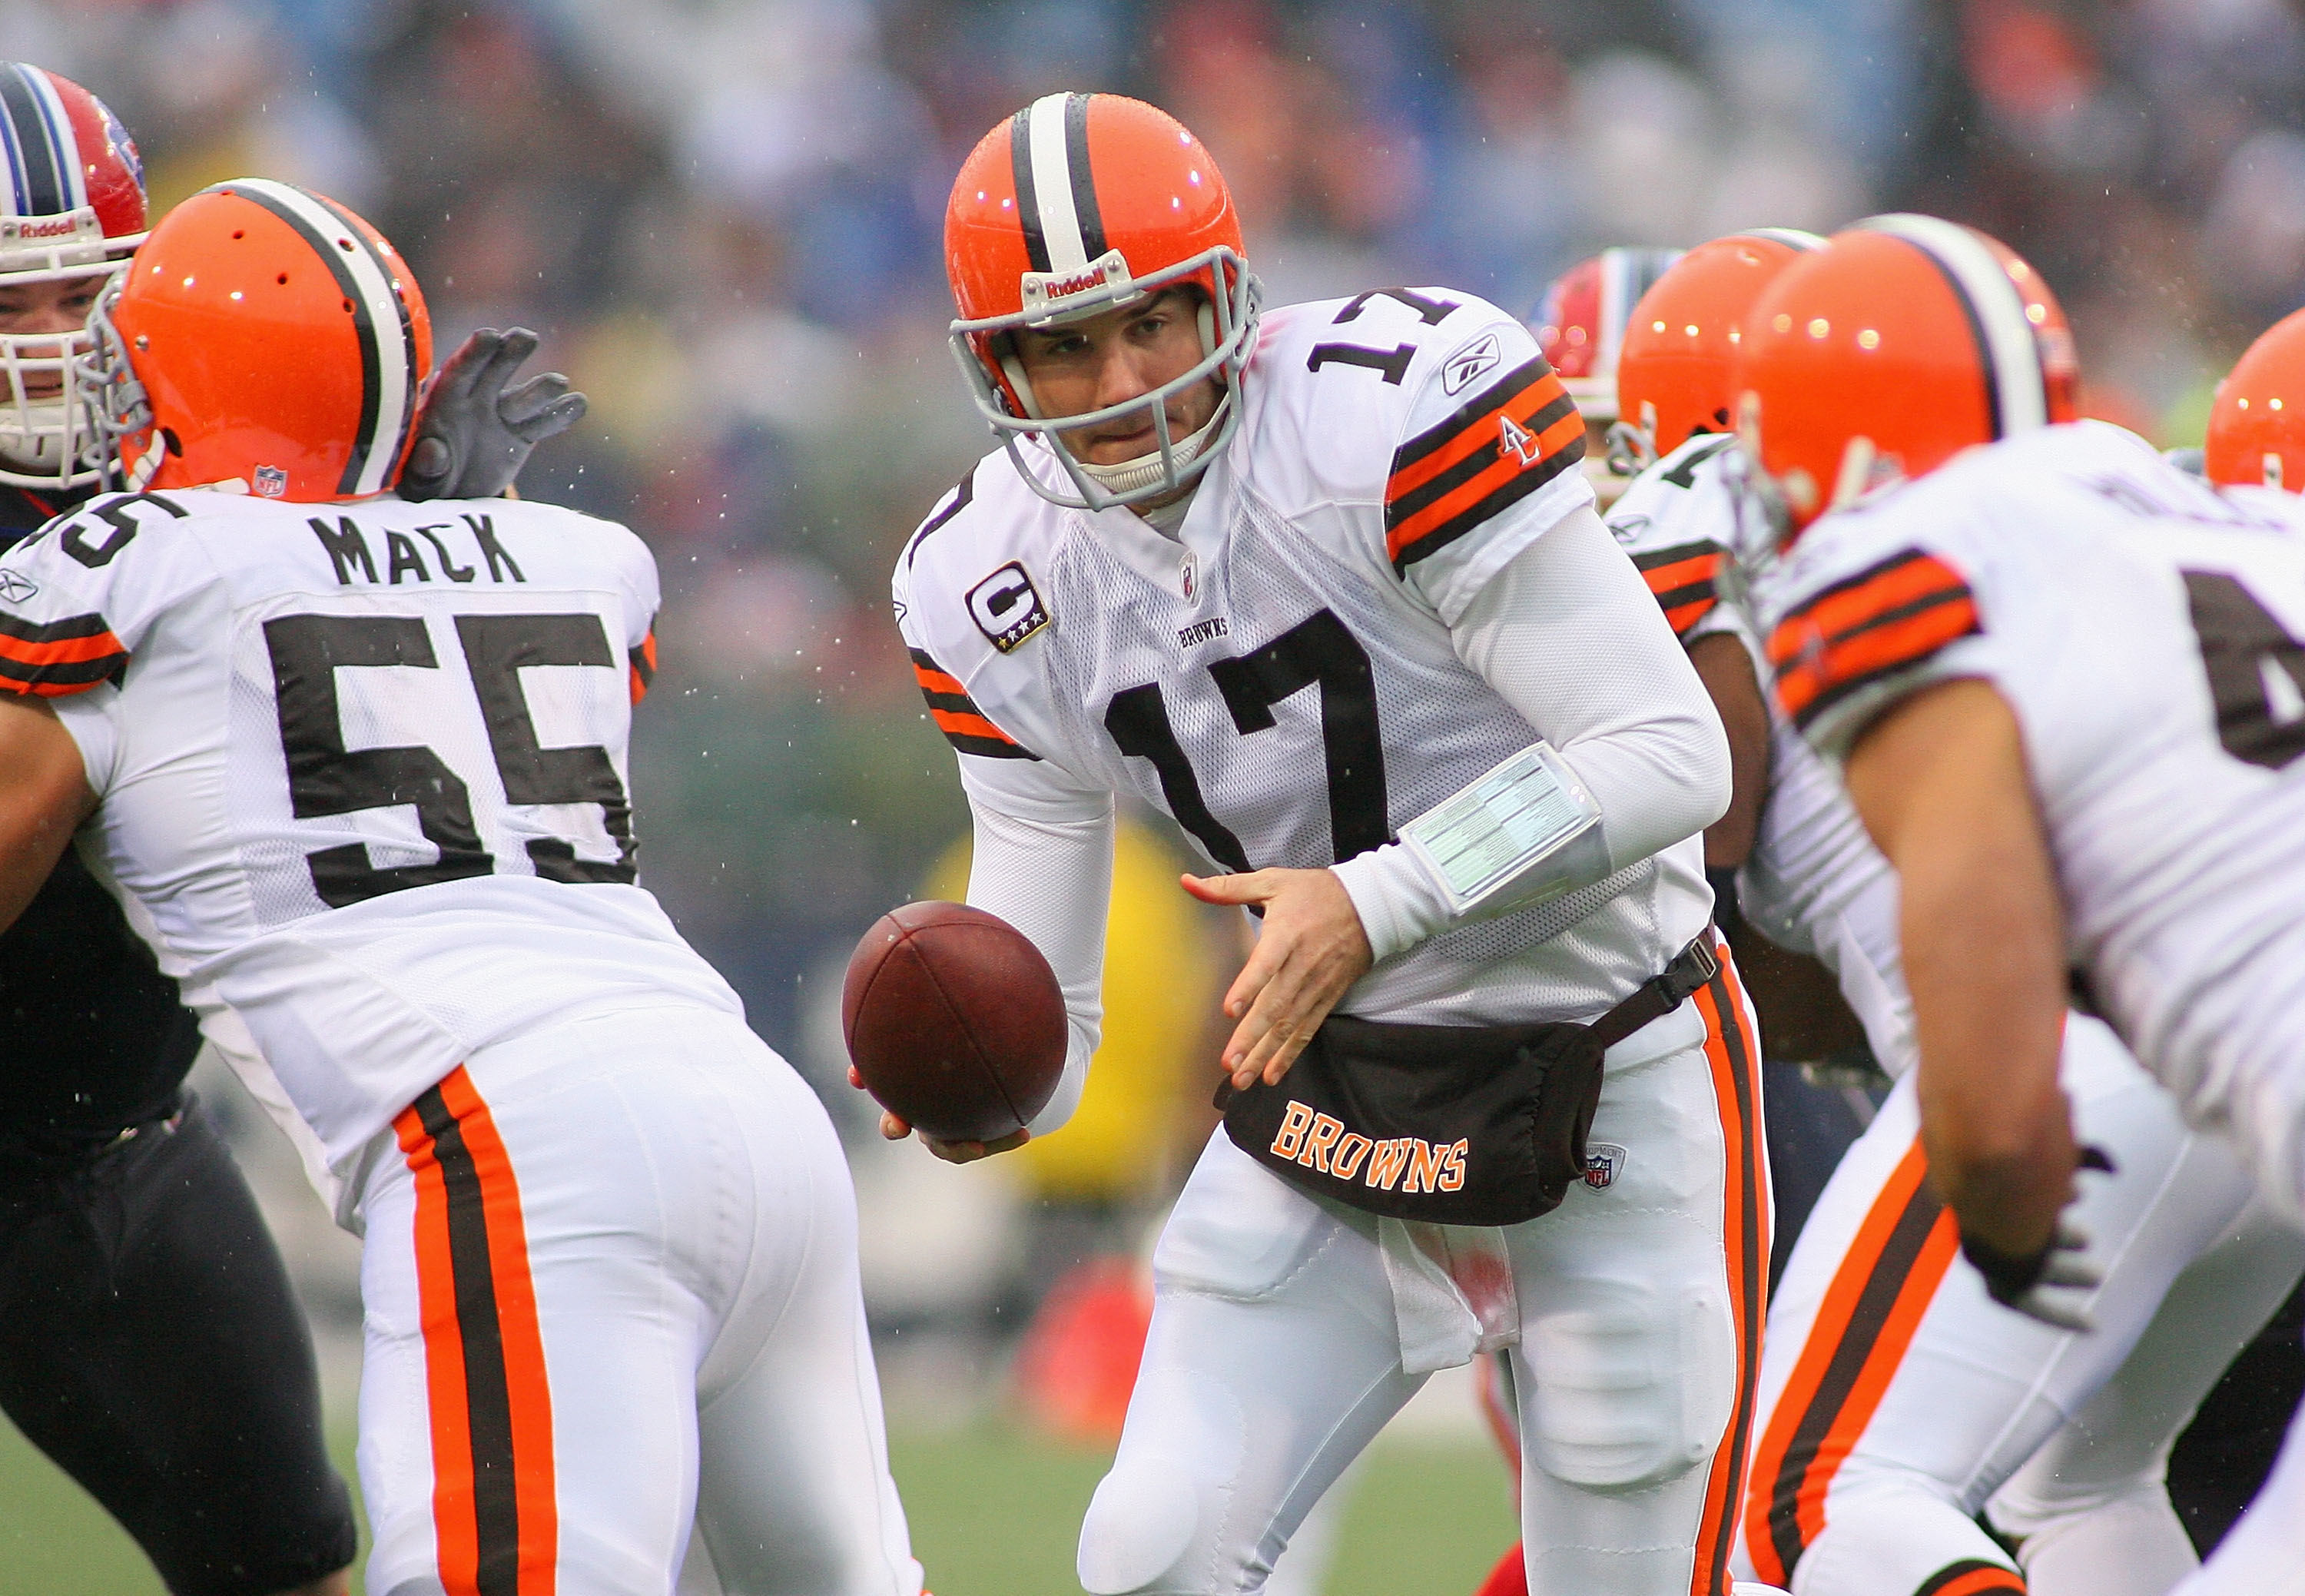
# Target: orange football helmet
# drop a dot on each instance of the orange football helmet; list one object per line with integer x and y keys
{"x": 1902, "y": 341}
{"x": 1675, "y": 372}
{"x": 2257, "y": 425}
{"x": 1076, "y": 204}
{"x": 267, "y": 336}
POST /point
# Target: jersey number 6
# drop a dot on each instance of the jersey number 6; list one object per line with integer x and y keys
{"x": 325, "y": 778}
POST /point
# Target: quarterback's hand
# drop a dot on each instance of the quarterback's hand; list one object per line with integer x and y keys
{"x": 951, "y": 1152}
{"x": 1311, "y": 950}
{"x": 2054, "y": 1284}
{"x": 473, "y": 433}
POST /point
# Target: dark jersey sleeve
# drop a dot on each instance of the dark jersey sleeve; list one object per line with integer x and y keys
{"x": 92, "y": 1037}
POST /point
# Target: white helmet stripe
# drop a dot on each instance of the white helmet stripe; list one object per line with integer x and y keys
{"x": 1053, "y": 184}
{"x": 2018, "y": 393}
{"x": 387, "y": 364}
{"x": 1796, "y": 238}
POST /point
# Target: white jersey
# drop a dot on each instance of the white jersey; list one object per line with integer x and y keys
{"x": 363, "y": 769}
{"x": 1278, "y": 676}
{"x": 2143, "y": 628}
{"x": 1814, "y": 882}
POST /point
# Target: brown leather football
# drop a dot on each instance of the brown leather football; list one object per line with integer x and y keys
{"x": 955, "y": 1020}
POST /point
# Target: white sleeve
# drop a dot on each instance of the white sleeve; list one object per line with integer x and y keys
{"x": 1043, "y": 863}
{"x": 1570, "y": 635}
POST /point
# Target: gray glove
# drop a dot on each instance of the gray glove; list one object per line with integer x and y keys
{"x": 473, "y": 433}
{"x": 2058, "y": 1285}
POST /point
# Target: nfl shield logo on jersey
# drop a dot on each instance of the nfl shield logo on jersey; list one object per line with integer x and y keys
{"x": 1604, "y": 1162}
{"x": 271, "y": 482}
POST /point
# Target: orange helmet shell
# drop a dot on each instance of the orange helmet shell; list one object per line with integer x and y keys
{"x": 1905, "y": 340}
{"x": 1676, "y": 374}
{"x": 1051, "y": 193}
{"x": 2257, "y": 425}
{"x": 278, "y": 340}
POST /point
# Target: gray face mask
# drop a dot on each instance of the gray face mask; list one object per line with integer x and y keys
{"x": 1228, "y": 334}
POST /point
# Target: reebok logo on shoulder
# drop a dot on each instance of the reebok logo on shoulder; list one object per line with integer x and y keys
{"x": 1469, "y": 365}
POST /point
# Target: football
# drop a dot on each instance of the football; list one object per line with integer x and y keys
{"x": 955, "y": 1021}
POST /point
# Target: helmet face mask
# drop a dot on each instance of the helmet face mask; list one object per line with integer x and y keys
{"x": 1580, "y": 326}
{"x": 74, "y": 217}
{"x": 1227, "y": 321}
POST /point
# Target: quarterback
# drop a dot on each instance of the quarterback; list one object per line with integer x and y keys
{"x": 356, "y": 768}
{"x": 2064, "y": 683}
{"x": 1324, "y": 585}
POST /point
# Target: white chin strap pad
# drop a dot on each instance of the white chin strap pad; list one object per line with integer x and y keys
{"x": 1131, "y": 474}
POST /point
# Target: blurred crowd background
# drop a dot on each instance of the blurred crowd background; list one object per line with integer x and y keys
{"x": 724, "y": 217}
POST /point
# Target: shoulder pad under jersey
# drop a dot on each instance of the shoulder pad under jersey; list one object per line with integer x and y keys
{"x": 1678, "y": 520}
{"x": 970, "y": 595}
{"x": 1429, "y": 410}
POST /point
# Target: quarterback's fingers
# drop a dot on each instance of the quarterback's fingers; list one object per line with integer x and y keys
{"x": 969, "y": 1152}
{"x": 893, "y": 1128}
{"x": 1265, "y": 960}
{"x": 1276, "y": 1026}
{"x": 1250, "y": 886}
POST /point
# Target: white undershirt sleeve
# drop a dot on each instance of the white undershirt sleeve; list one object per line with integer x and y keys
{"x": 1570, "y": 635}
{"x": 1043, "y": 863}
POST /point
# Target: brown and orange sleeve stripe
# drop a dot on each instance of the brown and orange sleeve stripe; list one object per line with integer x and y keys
{"x": 1452, "y": 476}
{"x": 956, "y": 715}
{"x": 642, "y": 661}
{"x": 1685, "y": 580}
{"x": 1866, "y": 1319}
{"x": 1888, "y": 617}
{"x": 495, "y": 1509}
{"x": 58, "y": 658}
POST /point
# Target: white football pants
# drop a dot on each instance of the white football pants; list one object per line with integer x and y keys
{"x": 610, "y": 1286}
{"x": 1896, "y": 1397}
{"x": 1276, "y": 1348}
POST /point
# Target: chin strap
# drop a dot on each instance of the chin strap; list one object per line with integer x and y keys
{"x": 1129, "y": 475}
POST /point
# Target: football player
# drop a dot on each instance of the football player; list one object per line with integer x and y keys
{"x": 1874, "y": 1490}
{"x": 1324, "y": 584}
{"x": 150, "y": 1341}
{"x": 2063, "y": 682}
{"x": 1580, "y": 323}
{"x": 356, "y": 767}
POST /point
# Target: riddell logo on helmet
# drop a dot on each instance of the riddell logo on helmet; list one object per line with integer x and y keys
{"x": 32, "y": 228}
{"x": 1320, "y": 1141}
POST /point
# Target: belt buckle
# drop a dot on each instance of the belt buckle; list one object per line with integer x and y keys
{"x": 1708, "y": 963}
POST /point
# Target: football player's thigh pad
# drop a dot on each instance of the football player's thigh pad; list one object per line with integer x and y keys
{"x": 1239, "y": 1231}
{"x": 1629, "y": 1351}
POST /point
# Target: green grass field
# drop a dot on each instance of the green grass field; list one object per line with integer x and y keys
{"x": 994, "y": 1513}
